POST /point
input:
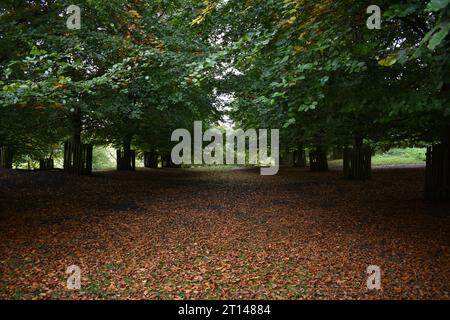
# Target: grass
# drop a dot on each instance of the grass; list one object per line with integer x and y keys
{"x": 401, "y": 156}
{"x": 394, "y": 156}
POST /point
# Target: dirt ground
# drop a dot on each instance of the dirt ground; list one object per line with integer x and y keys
{"x": 221, "y": 234}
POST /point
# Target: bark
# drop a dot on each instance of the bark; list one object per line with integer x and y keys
{"x": 358, "y": 160}
{"x": 6, "y": 158}
{"x": 151, "y": 159}
{"x": 318, "y": 159}
{"x": 77, "y": 126}
{"x": 300, "y": 157}
{"x": 126, "y": 156}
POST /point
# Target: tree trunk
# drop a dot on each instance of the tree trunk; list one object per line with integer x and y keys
{"x": 46, "y": 164}
{"x": 151, "y": 159}
{"x": 300, "y": 157}
{"x": 77, "y": 126}
{"x": 437, "y": 174}
{"x": 318, "y": 159}
{"x": 78, "y": 158}
{"x": 126, "y": 158}
{"x": 358, "y": 160}
{"x": 359, "y": 140}
{"x": 6, "y": 158}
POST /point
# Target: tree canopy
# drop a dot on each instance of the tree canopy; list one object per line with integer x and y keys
{"x": 136, "y": 70}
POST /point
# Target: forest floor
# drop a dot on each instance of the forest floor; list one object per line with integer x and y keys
{"x": 221, "y": 234}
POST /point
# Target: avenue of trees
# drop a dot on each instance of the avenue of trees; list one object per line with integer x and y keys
{"x": 138, "y": 69}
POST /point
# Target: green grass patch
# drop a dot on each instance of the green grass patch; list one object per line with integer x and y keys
{"x": 394, "y": 156}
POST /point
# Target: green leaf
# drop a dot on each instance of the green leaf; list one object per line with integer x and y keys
{"x": 436, "y": 5}
{"x": 438, "y": 36}
{"x": 400, "y": 10}
{"x": 389, "y": 60}
{"x": 289, "y": 122}
{"x": 35, "y": 51}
